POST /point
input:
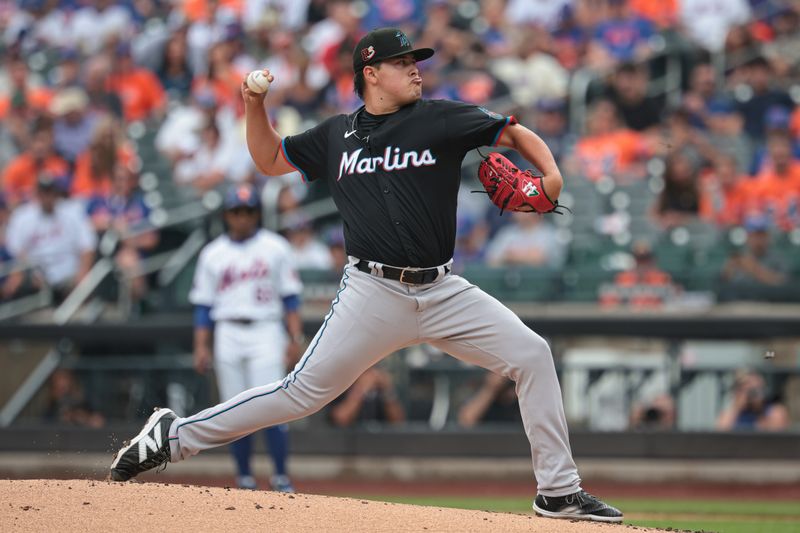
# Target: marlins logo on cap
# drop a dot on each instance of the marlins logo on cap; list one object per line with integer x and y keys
{"x": 385, "y": 43}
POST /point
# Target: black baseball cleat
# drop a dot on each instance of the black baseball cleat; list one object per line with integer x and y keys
{"x": 147, "y": 450}
{"x": 577, "y": 506}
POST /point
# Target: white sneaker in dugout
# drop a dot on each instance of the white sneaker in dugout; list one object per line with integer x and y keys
{"x": 577, "y": 506}
{"x": 147, "y": 450}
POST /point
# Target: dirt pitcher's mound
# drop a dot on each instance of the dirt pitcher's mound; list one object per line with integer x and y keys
{"x": 84, "y": 505}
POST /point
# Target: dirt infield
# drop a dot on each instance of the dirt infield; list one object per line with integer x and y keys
{"x": 85, "y": 505}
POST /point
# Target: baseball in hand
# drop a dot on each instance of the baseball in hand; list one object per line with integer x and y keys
{"x": 257, "y": 82}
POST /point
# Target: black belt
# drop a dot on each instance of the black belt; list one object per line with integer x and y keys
{"x": 404, "y": 275}
{"x": 239, "y": 321}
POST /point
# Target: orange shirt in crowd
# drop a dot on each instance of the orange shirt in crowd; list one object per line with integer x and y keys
{"x": 779, "y": 196}
{"x": 140, "y": 91}
{"x": 663, "y": 13}
{"x": 85, "y": 184}
{"x": 724, "y": 205}
{"x": 199, "y": 10}
{"x": 609, "y": 154}
{"x": 38, "y": 98}
{"x": 639, "y": 287}
{"x": 19, "y": 178}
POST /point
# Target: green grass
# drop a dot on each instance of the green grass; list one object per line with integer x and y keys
{"x": 720, "y": 516}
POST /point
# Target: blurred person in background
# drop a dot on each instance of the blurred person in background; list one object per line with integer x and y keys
{"x": 246, "y": 295}
{"x": 740, "y": 45}
{"x": 752, "y": 407}
{"x": 493, "y": 28}
{"x": 68, "y": 71}
{"x": 550, "y": 118}
{"x": 531, "y": 72}
{"x": 210, "y": 165}
{"x": 472, "y": 234}
{"x": 608, "y": 149}
{"x": 783, "y": 52}
{"x": 180, "y": 134}
{"x": 707, "y": 22}
{"x": 220, "y": 77}
{"x": 546, "y": 15}
{"x": 66, "y": 401}
{"x": 701, "y": 92}
{"x": 307, "y": 249}
{"x": 628, "y": 92}
{"x": 338, "y": 94}
{"x": 656, "y": 414}
{"x": 644, "y": 285}
{"x": 725, "y": 134}
{"x": 94, "y": 167}
{"x": 775, "y": 191}
{"x": 759, "y": 78}
{"x": 174, "y": 71}
{"x": 19, "y": 177}
{"x": 759, "y": 271}
{"x": 96, "y": 23}
{"x": 678, "y": 134}
{"x": 476, "y": 83}
{"x": 18, "y": 90}
{"x": 724, "y": 192}
{"x": 778, "y": 124}
{"x": 679, "y": 201}
{"x": 73, "y": 127}
{"x": 142, "y": 95}
{"x": 495, "y": 401}
{"x": 123, "y": 210}
{"x": 622, "y": 36}
{"x": 103, "y": 98}
{"x": 372, "y": 398}
{"x": 530, "y": 240}
{"x": 54, "y": 238}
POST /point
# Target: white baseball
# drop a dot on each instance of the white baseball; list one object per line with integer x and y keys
{"x": 257, "y": 82}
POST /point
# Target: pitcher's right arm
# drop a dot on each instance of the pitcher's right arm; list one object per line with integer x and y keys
{"x": 263, "y": 142}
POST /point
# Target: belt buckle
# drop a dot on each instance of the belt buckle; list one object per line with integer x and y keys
{"x": 403, "y": 273}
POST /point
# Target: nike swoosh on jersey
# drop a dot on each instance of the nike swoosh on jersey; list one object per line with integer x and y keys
{"x": 349, "y": 133}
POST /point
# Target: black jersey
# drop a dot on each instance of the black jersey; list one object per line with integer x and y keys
{"x": 396, "y": 186}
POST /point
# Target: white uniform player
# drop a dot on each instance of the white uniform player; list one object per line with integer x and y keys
{"x": 244, "y": 284}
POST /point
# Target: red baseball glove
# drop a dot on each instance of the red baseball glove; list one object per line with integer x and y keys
{"x": 511, "y": 189}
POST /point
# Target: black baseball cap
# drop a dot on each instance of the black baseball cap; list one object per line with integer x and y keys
{"x": 385, "y": 43}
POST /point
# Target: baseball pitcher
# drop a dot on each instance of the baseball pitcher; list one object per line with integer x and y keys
{"x": 393, "y": 168}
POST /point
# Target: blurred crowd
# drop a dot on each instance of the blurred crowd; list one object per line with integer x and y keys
{"x": 696, "y": 99}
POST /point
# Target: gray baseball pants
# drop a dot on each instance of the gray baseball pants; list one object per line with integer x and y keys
{"x": 372, "y": 317}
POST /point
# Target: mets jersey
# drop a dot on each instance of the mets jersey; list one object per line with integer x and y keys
{"x": 245, "y": 280}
